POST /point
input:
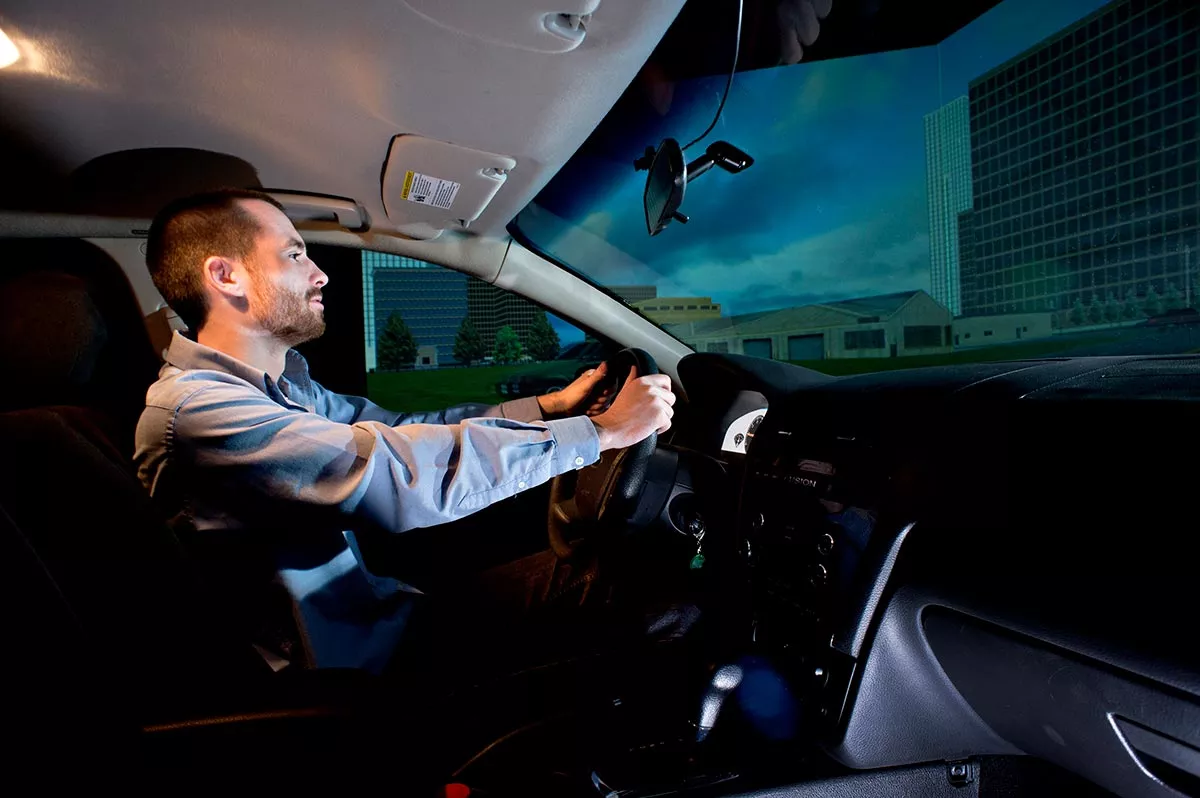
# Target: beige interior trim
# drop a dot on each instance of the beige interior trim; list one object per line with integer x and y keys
{"x": 500, "y": 261}
{"x": 532, "y": 276}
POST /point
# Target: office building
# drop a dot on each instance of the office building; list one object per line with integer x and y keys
{"x": 891, "y": 325}
{"x": 676, "y": 309}
{"x": 492, "y": 308}
{"x": 1084, "y": 161}
{"x": 431, "y": 300}
{"x": 948, "y": 185}
{"x": 966, "y": 248}
{"x": 634, "y": 293}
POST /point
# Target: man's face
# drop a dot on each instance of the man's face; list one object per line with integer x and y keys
{"x": 285, "y": 297}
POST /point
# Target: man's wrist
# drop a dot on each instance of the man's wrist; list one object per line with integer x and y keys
{"x": 602, "y": 434}
{"x": 549, "y": 405}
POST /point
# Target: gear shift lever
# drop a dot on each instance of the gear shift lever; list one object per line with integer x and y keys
{"x": 724, "y": 681}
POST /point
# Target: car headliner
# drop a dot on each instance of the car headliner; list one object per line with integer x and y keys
{"x": 308, "y": 95}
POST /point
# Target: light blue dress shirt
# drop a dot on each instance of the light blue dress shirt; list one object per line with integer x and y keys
{"x": 279, "y": 475}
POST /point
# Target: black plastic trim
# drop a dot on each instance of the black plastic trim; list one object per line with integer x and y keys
{"x": 925, "y": 781}
{"x": 1059, "y": 705}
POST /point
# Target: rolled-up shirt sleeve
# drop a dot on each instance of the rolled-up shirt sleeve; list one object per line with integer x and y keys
{"x": 353, "y": 409}
{"x": 369, "y": 472}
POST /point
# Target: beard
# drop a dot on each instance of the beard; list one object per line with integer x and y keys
{"x": 288, "y": 316}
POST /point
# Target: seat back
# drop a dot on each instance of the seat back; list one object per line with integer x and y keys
{"x": 76, "y": 362}
{"x": 72, "y": 334}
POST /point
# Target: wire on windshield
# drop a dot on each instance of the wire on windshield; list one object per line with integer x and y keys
{"x": 737, "y": 46}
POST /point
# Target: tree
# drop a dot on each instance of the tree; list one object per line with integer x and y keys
{"x": 1077, "y": 314}
{"x": 1112, "y": 309}
{"x": 1153, "y": 306}
{"x": 1173, "y": 299}
{"x": 508, "y": 346}
{"x": 1132, "y": 308}
{"x": 468, "y": 343}
{"x": 1095, "y": 312}
{"x": 543, "y": 343}
{"x": 397, "y": 347}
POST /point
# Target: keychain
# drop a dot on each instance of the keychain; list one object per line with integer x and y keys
{"x": 698, "y": 560}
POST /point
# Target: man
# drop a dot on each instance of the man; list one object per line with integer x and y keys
{"x": 271, "y": 475}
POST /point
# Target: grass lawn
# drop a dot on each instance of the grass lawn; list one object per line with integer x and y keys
{"x": 434, "y": 389}
{"x": 984, "y": 354}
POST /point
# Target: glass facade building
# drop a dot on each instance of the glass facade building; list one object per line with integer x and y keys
{"x": 948, "y": 184}
{"x": 431, "y": 300}
{"x": 491, "y": 308}
{"x": 1084, "y": 164}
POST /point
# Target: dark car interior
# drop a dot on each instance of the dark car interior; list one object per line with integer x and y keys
{"x": 973, "y": 580}
{"x": 998, "y": 620}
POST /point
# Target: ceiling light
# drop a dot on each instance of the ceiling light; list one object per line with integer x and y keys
{"x": 8, "y": 51}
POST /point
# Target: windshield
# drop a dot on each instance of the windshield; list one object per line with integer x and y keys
{"x": 1025, "y": 188}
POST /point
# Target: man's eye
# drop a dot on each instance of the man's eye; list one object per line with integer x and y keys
{"x": 296, "y": 256}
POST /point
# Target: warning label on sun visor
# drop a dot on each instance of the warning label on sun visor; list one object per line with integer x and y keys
{"x": 426, "y": 190}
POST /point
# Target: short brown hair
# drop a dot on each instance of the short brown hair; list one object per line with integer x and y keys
{"x": 190, "y": 230}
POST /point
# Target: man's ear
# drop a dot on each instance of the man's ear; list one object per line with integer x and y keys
{"x": 226, "y": 276}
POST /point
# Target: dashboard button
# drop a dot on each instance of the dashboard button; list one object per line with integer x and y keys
{"x": 825, "y": 543}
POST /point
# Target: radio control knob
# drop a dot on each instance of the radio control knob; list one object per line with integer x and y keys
{"x": 818, "y": 575}
{"x": 758, "y": 521}
{"x": 825, "y": 543}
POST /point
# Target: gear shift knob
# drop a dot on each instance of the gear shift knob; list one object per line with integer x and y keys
{"x": 724, "y": 681}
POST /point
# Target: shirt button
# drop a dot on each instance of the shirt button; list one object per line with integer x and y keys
{"x": 521, "y": 486}
{"x": 578, "y": 461}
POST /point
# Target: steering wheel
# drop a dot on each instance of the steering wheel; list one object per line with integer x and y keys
{"x": 605, "y": 494}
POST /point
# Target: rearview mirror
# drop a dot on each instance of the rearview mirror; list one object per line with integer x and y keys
{"x": 670, "y": 174}
{"x": 665, "y": 186}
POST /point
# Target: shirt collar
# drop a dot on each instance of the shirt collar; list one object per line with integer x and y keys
{"x": 188, "y": 354}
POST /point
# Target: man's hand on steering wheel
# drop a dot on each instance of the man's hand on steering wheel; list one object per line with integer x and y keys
{"x": 644, "y": 405}
{"x": 605, "y": 496}
{"x": 580, "y": 397}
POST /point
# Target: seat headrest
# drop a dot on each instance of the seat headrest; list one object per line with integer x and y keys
{"x": 51, "y": 335}
{"x": 71, "y": 330}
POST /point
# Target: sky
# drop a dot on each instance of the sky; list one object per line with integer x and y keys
{"x": 835, "y": 204}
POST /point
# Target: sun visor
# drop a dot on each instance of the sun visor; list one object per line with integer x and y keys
{"x": 430, "y": 186}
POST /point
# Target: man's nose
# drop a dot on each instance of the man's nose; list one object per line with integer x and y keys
{"x": 322, "y": 279}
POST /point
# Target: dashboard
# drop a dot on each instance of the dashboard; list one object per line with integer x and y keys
{"x": 894, "y": 527}
{"x": 748, "y": 411}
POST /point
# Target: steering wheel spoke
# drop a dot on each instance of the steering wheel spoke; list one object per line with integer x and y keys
{"x": 566, "y": 512}
{"x": 605, "y": 495}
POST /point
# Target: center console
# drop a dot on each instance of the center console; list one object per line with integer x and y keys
{"x": 819, "y": 556}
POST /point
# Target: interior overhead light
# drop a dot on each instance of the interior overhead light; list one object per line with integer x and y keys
{"x": 8, "y": 51}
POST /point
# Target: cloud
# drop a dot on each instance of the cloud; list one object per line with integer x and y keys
{"x": 812, "y": 94}
{"x": 790, "y": 189}
{"x": 598, "y": 223}
{"x": 845, "y": 84}
{"x": 879, "y": 256}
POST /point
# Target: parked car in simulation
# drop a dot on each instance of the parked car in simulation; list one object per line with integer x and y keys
{"x": 553, "y": 375}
